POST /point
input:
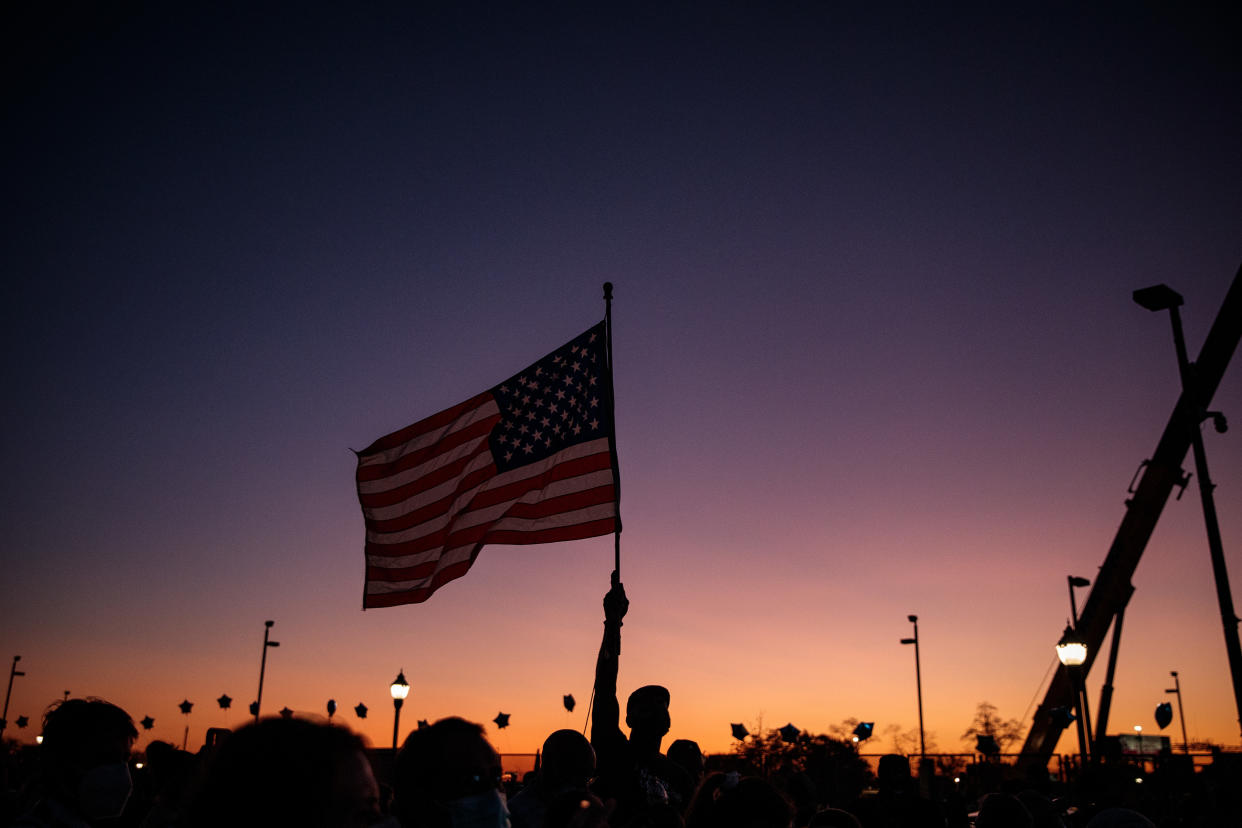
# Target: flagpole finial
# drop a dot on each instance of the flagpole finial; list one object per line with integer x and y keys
{"x": 607, "y": 291}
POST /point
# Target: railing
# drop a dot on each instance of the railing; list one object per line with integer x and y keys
{"x": 1063, "y": 766}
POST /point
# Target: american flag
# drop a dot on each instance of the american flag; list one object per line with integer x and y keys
{"x": 527, "y": 461}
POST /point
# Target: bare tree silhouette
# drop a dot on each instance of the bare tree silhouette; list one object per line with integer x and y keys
{"x": 988, "y": 722}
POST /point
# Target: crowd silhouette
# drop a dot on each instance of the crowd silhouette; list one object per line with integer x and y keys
{"x": 291, "y": 772}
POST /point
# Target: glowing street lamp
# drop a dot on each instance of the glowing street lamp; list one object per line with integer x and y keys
{"x": 918, "y": 680}
{"x": 1075, "y": 581}
{"x": 400, "y": 689}
{"x": 1072, "y": 651}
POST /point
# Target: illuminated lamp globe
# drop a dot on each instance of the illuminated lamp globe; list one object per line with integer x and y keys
{"x": 400, "y": 687}
{"x": 1071, "y": 649}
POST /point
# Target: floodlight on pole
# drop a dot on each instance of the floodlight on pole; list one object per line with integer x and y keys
{"x": 4, "y": 717}
{"x": 1181, "y": 715}
{"x": 400, "y": 688}
{"x": 918, "y": 680}
{"x": 267, "y": 629}
{"x": 1193, "y": 406}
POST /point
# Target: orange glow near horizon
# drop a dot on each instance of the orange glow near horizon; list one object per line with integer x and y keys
{"x": 874, "y": 343}
{"x": 739, "y": 657}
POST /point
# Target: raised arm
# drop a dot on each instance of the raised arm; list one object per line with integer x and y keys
{"x": 606, "y": 719}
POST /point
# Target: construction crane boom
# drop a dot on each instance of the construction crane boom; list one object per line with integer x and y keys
{"x": 1111, "y": 590}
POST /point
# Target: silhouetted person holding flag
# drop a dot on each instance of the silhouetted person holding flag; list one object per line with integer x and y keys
{"x": 632, "y": 771}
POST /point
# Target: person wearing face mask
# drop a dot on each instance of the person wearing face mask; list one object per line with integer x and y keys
{"x": 83, "y": 773}
{"x": 448, "y": 775}
{"x": 288, "y": 772}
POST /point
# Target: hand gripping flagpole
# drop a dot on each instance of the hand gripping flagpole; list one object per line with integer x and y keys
{"x": 612, "y": 442}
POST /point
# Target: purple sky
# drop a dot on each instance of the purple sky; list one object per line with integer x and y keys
{"x": 874, "y": 343}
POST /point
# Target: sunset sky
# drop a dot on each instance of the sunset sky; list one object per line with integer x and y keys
{"x": 875, "y": 349}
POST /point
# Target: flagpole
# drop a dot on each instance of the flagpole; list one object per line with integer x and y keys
{"x": 612, "y": 443}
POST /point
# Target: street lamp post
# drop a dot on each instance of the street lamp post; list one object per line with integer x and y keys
{"x": 1163, "y": 297}
{"x": 267, "y": 629}
{"x": 1075, "y": 581}
{"x": 400, "y": 688}
{"x": 1181, "y": 714}
{"x": 918, "y": 680}
{"x": 1072, "y": 652}
{"x": 4, "y": 717}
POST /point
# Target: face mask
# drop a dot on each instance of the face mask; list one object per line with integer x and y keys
{"x": 104, "y": 790}
{"x": 485, "y": 810}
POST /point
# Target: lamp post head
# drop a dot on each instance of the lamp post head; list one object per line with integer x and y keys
{"x": 907, "y": 641}
{"x": 913, "y": 619}
{"x": 1173, "y": 673}
{"x": 400, "y": 687}
{"x": 1071, "y": 649}
{"x": 268, "y": 623}
{"x": 1078, "y": 582}
{"x": 1158, "y": 298}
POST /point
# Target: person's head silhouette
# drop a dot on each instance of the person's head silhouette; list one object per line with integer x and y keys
{"x": 568, "y": 762}
{"x": 84, "y": 759}
{"x": 893, "y": 773}
{"x": 646, "y": 714}
{"x": 288, "y": 772}
{"x": 449, "y": 776}
{"x": 687, "y": 755}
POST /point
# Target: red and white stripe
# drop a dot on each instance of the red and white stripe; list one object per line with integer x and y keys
{"x": 432, "y": 497}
